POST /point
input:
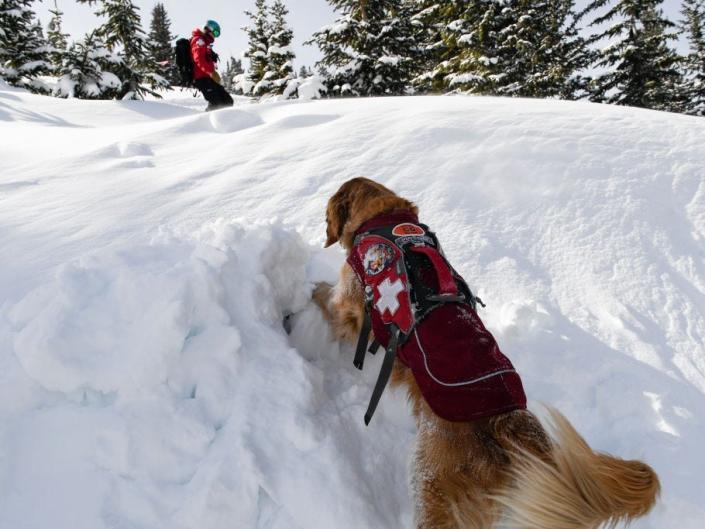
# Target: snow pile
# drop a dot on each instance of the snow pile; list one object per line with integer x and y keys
{"x": 146, "y": 379}
{"x": 133, "y": 361}
{"x": 170, "y": 393}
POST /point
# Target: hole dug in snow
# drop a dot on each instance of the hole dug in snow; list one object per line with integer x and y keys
{"x": 208, "y": 399}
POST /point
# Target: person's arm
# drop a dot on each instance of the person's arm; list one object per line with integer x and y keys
{"x": 199, "y": 52}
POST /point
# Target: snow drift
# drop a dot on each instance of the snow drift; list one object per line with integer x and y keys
{"x": 151, "y": 251}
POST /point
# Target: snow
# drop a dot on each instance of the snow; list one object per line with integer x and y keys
{"x": 33, "y": 65}
{"x": 456, "y": 25}
{"x": 311, "y": 87}
{"x": 336, "y": 28}
{"x": 307, "y": 88}
{"x": 463, "y": 78}
{"x": 279, "y": 50}
{"x": 66, "y": 86}
{"x": 150, "y": 252}
{"x": 389, "y": 60}
{"x": 242, "y": 83}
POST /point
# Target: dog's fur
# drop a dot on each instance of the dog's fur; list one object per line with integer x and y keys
{"x": 505, "y": 469}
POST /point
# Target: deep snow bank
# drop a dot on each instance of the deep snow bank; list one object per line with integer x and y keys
{"x": 155, "y": 387}
{"x": 146, "y": 380}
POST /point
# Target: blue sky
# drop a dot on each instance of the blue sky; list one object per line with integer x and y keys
{"x": 306, "y": 16}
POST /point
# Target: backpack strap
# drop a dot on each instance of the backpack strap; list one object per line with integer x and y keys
{"x": 374, "y": 347}
{"x": 364, "y": 337}
{"x": 389, "y": 355}
{"x": 384, "y": 374}
{"x": 362, "y": 341}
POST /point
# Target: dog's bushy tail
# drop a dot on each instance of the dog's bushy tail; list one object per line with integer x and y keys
{"x": 574, "y": 487}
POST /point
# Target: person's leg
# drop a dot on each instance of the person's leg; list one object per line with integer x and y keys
{"x": 224, "y": 99}
{"x": 208, "y": 88}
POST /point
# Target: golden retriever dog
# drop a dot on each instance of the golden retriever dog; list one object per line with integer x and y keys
{"x": 505, "y": 470}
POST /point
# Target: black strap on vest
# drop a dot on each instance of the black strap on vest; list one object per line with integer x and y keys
{"x": 384, "y": 374}
{"x": 361, "y": 349}
{"x": 387, "y": 364}
{"x": 374, "y": 346}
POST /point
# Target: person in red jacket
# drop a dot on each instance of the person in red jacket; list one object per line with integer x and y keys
{"x": 205, "y": 76}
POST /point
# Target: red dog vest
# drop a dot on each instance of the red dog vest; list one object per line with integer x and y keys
{"x": 420, "y": 306}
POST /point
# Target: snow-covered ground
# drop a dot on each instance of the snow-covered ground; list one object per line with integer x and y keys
{"x": 150, "y": 250}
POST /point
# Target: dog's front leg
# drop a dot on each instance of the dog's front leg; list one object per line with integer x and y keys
{"x": 321, "y": 296}
{"x": 343, "y": 305}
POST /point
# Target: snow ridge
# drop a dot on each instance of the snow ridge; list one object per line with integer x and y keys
{"x": 151, "y": 252}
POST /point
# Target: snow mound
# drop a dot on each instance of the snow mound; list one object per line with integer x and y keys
{"x": 146, "y": 379}
{"x": 161, "y": 378}
{"x": 233, "y": 120}
{"x": 128, "y": 149}
{"x": 312, "y": 120}
{"x": 148, "y": 350}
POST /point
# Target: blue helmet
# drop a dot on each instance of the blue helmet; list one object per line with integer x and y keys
{"x": 214, "y": 27}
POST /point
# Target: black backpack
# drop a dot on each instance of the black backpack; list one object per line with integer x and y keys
{"x": 184, "y": 61}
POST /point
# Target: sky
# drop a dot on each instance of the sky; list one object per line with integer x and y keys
{"x": 305, "y": 17}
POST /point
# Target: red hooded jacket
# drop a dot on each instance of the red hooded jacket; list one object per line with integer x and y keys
{"x": 203, "y": 63}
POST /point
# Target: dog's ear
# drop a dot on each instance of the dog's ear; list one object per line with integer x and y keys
{"x": 336, "y": 217}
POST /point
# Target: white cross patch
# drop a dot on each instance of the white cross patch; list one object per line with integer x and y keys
{"x": 388, "y": 293}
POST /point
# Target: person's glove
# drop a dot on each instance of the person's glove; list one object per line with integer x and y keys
{"x": 216, "y": 77}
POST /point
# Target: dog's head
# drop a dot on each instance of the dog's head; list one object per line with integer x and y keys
{"x": 357, "y": 201}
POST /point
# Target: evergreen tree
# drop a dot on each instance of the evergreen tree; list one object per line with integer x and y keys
{"x": 56, "y": 37}
{"x": 558, "y": 54}
{"x": 693, "y": 24}
{"x": 233, "y": 68}
{"x": 122, "y": 32}
{"x": 160, "y": 47}
{"x": 429, "y": 19}
{"x": 370, "y": 49}
{"x": 23, "y": 48}
{"x": 643, "y": 69}
{"x": 322, "y": 71}
{"x": 258, "y": 33}
{"x": 443, "y": 26}
{"x": 84, "y": 72}
{"x": 280, "y": 56}
{"x": 510, "y": 47}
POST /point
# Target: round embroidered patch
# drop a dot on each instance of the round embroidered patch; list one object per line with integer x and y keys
{"x": 407, "y": 229}
{"x": 377, "y": 258}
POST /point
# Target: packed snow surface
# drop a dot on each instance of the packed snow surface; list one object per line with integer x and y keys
{"x": 150, "y": 252}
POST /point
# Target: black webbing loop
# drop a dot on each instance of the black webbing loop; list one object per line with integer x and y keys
{"x": 362, "y": 340}
{"x": 374, "y": 347}
{"x": 384, "y": 374}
